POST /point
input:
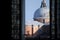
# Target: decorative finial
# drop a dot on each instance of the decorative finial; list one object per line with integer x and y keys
{"x": 43, "y": 4}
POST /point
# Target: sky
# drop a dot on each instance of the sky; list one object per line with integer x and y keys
{"x": 30, "y": 7}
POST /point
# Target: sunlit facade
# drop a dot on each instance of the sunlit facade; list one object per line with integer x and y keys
{"x": 28, "y": 29}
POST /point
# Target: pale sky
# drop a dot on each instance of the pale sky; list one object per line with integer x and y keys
{"x": 30, "y": 7}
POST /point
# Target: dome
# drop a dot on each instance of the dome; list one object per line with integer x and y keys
{"x": 41, "y": 13}
{"x": 44, "y": 12}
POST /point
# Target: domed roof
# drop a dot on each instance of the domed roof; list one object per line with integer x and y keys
{"x": 44, "y": 12}
{"x": 41, "y": 13}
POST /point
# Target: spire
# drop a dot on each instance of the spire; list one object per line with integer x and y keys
{"x": 43, "y": 4}
{"x": 43, "y": 20}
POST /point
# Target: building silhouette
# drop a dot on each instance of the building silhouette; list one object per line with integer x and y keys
{"x": 52, "y": 14}
{"x": 58, "y": 18}
{"x": 15, "y": 19}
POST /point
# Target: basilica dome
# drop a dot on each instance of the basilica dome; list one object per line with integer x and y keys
{"x": 42, "y": 13}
